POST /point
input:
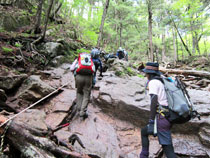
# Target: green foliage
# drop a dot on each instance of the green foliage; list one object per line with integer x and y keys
{"x": 140, "y": 76}
{"x": 7, "y": 50}
{"x": 130, "y": 71}
{"x": 18, "y": 45}
{"x": 82, "y": 50}
{"x": 119, "y": 73}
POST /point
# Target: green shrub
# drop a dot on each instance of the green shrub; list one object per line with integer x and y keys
{"x": 140, "y": 76}
{"x": 130, "y": 72}
{"x": 7, "y": 50}
{"x": 119, "y": 73}
{"x": 82, "y": 50}
{"x": 18, "y": 45}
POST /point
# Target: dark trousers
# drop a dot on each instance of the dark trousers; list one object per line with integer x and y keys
{"x": 167, "y": 149}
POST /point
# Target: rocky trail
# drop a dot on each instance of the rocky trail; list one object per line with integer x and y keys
{"x": 118, "y": 110}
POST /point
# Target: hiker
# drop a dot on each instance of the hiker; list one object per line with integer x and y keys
{"x": 95, "y": 54}
{"x": 83, "y": 69}
{"x": 158, "y": 98}
{"x": 120, "y": 53}
{"x": 126, "y": 55}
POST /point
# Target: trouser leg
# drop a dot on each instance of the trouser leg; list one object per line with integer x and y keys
{"x": 169, "y": 151}
{"x": 80, "y": 85}
{"x": 145, "y": 143}
{"x": 86, "y": 97}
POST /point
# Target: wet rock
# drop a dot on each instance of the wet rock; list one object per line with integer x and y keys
{"x": 53, "y": 49}
{"x": 189, "y": 146}
{"x": 122, "y": 68}
{"x": 3, "y": 96}
{"x": 57, "y": 61}
{"x": 124, "y": 98}
{"x": 54, "y": 119}
{"x": 13, "y": 20}
{"x": 204, "y": 135}
{"x": 34, "y": 89}
{"x": 9, "y": 83}
{"x": 33, "y": 118}
{"x": 98, "y": 137}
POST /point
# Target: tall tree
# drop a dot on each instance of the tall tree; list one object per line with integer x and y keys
{"x": 102, "y": 22}
{"x": 38, "y": 17}
{"x": 47, "y": 18}
{"x": 149, "y": 5}
{"x": 174, "y": 46}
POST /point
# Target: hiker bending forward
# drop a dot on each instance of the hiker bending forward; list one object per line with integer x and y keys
{"x": 83, "y": 78}
{"x": 158, "y": 101}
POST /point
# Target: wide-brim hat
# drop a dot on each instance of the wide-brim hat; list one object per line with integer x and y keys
{"x": 152, "y": 68}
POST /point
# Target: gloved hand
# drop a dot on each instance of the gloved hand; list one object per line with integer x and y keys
{"x": 150, "y": 127}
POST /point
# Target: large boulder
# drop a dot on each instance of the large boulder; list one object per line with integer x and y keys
{"x": 3, "y": 96}
{"x": 53, "y": 49}
{"x": 122, "y": 68}
{"x": 125, "y": 99}
{"x": 34, "y": 118}
{"x": 9, "y": 83}
{"x": 57, "y": 61}
{"x": 34, "y": 89}
{"x": 13, "y": 20}
{"x": 96, "y": 136}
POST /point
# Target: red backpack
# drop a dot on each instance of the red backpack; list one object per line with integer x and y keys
{"x": 85, "y": 64}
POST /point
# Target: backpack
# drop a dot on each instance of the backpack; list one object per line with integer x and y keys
{"x": 95, "y": 53}
{"x": 85, "y": 64}
{"x": 180, "y": 107}
{"x": 121, "y": 54}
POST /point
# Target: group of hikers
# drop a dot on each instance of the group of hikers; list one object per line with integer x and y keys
{"x": 160, "y": 119}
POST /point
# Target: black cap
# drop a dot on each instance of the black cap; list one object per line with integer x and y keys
{"x": 152, "y": 68}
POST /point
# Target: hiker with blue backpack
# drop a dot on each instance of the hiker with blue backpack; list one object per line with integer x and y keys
{"x": 83, "y": 69}
{"x": 158, "y": 98}
{"x": 170, "y": 104}
{"x": 95, "y": 54}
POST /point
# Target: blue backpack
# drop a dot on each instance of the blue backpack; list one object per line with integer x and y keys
{"x": 95, "y": 53}
{"x": 181, "y": 108}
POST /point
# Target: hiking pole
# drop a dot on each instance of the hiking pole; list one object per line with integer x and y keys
{"x": 55, "y": 91}
{"x": 187, "y": 96}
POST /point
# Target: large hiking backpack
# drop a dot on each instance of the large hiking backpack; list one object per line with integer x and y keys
{"x": 95, "y": 53}
{"x": 181, "y": 109}
{"x": 121, "y": 54}
{"x": 85, "y": 64}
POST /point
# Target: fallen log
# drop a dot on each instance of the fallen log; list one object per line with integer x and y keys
{"x": 203, "y": 74}
{"x": 31, "y": 143}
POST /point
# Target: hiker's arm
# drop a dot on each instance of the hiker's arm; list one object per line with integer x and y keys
{"x": 153, "y": 106}
{"x": 73, "y": 65}
{"x": 101, "y": 69}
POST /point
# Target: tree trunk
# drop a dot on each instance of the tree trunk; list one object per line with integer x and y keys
{"x": 203, "y": 74}
{"x": 120, "y": 34}
{"x": 47, "y": 18}
{"x": 163, "y": 46}
{"x": 149, "y": 3}
{"x": 102, "y": 22}
{"x": 193, "y": 37}
{"x": 174, "y": 45}
{"x": 58, "y": 8}
{"x": 38, "y": 17}
{"x": 182, "y": 52}
{"x": 197, "y": 39}
{"x": 185, "y": 46}
{"x": 90, "y": 10}
{"x": 177, "y": 47}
